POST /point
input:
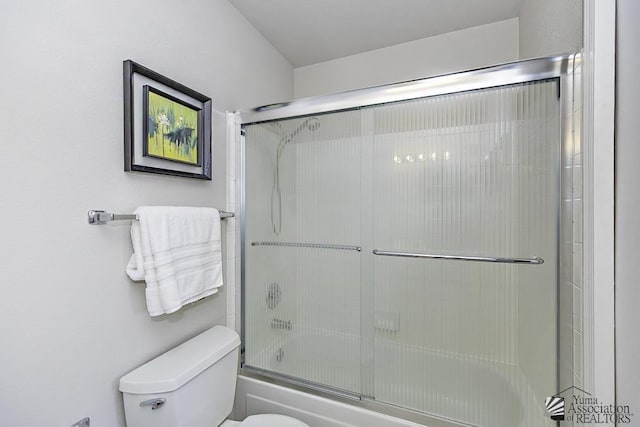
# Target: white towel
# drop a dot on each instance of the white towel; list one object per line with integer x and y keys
{"x": 177, "y": 251}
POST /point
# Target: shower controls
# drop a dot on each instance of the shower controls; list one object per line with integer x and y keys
{"x": 274, "y": 296}
{"x": 281, "y": 324}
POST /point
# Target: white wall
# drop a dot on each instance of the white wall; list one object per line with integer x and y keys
{"x": 456, "y": 51}
{"x": 549, "y": 27}
{"x": 71, "y": 323}
{"x": 627, "y": 206}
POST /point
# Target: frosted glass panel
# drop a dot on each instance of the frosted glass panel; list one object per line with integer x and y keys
{"x": 472, "y": 174}
{"x": 302, "y": 269}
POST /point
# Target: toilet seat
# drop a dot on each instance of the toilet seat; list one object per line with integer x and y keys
{"x": 266, "y": 420}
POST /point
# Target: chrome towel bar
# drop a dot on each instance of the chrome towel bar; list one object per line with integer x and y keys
{"x": 96, "y": 217}
{"x": 534, "y": 260}
{"x": 309, "y": 245}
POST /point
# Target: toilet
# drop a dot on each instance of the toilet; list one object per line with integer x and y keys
{"x": 191, "y": 385}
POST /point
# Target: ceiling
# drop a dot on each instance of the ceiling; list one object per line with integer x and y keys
{"x": 311, "y": 31}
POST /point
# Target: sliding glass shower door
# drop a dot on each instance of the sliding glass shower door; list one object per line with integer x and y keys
{"x": 302, "y": 249}
{"x": 408, "y": 253}
{"x": 465, "y": 235}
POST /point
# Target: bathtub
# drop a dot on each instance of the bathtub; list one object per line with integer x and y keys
{"x": 431, "y": 388}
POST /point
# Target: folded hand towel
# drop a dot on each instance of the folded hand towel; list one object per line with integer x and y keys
{"x": 177, "y": 251}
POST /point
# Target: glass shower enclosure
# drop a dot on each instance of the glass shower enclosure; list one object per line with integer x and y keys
{"x": 403, "y": 246}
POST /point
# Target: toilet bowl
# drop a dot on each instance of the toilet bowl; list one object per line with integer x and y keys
{"x": 191, "y": 385}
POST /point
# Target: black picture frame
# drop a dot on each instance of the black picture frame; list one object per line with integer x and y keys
{"x": 139, "y": 81}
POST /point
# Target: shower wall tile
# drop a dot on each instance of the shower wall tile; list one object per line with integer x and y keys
{"x": 578, "y": 233}
{"x": 571, "y": 283}
{"x": 567, "y": 183}
{"x": 578, "y": 310}
{"x": 566, "y": 268}
{"x": 578, "y": 93}
{"x": 578, "y": 360}
{"x": 577, "y": 182}
{"x": 577, "y": 278}
{"x": 567, "y": 333}
{"x": 577, "y": 134}
{"x": 567, "y": 233}
{"x": 578, "y": 159}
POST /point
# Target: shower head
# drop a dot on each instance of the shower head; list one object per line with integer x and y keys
{"x": 312, "y": 124}
{"x": 277, "y": 126}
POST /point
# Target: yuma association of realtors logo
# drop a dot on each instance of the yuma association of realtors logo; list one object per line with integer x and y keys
{"x": 583, "y": 408}
{"x": 555, "y": 407}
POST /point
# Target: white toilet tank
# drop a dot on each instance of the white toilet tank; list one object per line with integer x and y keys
{"x": 190, "y": 385}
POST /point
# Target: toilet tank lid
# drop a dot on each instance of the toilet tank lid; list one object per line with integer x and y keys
{"x": 173, "y": 369}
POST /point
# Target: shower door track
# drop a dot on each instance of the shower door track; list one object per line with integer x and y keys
{"x": 347, "y": 397}
{"x": 553, "y": 67}
{"x": 559, "y": 68}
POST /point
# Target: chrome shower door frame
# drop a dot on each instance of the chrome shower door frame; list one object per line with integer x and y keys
{"x": 561, "y": 68}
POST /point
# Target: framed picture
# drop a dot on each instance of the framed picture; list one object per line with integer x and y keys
{"x": 167, "y": 126}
